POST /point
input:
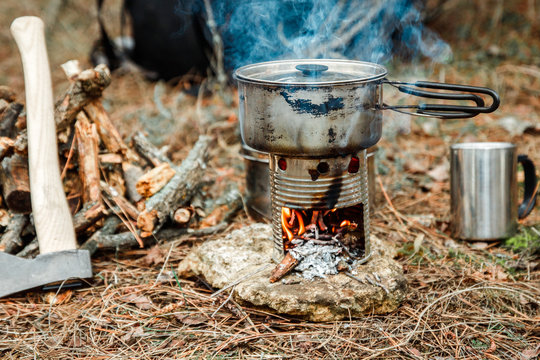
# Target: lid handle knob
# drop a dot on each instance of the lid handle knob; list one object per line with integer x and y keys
{"x": 312, "y": 70}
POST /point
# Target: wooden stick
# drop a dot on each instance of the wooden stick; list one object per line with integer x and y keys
{"x": 87, "y": 86}
{"x": 154, "y": 180}
{"x": 283, "y": 268}
{"x": 90, "y": 213}
{"x": 101, "y": 241}
{"x": 125, "y": 206}
{"x": 11, "y": 241}
{"x": 15, "y": 183}
{"x": 87, "y": 146}
{"x": 29, "y": 250}
{"x": 107, "y": 131}
{"x": 148, "y": 151}
{"x": 178, "y": 190}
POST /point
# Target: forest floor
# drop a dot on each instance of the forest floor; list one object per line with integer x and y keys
{"x": 466, "y": 300}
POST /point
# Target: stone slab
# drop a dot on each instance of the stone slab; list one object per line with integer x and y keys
{"x": 245, "y": 251}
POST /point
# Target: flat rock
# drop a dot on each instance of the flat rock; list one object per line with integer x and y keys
{"x": 246, "y": 254}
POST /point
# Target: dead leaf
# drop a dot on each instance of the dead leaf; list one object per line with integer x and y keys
{"x": 416, "y": 166}
{"x": 192, "y": 319}
{"x": 154, "y": 257}
{"x": 52, "y": 298}
{"x": 140, "y": 301}
{"x": 440, "y": 172}
{"x": 132, "y": 334}
{"x": 530, "y": 353}
{"x": 415, "y": 352}
{"x": 480, "y": 245}
{"x": 418, "y": 242}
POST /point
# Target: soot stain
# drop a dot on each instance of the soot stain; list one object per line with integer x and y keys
{"x": 304, "y": 106}
{"x": 314, "y": 174}
{"x": 331, "y": 135}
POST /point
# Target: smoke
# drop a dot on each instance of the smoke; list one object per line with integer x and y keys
{"x": 368, "y": 30}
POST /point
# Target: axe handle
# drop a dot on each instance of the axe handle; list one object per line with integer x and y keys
{"x": 52, "y": 218}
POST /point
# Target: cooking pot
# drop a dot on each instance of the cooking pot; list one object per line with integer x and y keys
{"x": 323, "y": 107}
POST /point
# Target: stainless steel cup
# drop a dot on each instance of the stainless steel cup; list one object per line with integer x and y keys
{"x": 484, "y": 192}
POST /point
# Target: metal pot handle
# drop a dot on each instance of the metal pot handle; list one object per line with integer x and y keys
{"x": 441, "y": 110}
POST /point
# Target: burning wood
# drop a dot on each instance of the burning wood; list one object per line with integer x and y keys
{"x": 284, "y": 267}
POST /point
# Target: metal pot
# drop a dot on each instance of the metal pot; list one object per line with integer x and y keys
{"x": 322, "y": 107}
{"x": 258, "y": 201}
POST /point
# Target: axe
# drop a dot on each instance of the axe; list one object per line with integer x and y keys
{"x": 59, "y": 262}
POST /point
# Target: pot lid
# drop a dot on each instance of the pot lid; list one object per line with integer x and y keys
{"x": 315, "y": 72}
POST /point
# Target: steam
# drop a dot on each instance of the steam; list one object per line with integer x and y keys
{"x": 369, "y": 30}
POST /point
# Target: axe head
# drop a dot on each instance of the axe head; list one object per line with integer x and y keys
{"x": 18, "y": 274}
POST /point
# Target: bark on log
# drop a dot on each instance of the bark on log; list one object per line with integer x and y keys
{"x": 226, "y": 206}
{"x": 9, "y": 119}
{"x": 110, "y": 226}
{"x": 89, "y": 214}
{"x": 11, "y": 241}
{"x": 148, "y": 151}
{"x": 154, "y": 180}
{"x": 15, "y": 183}
{"x": 132, "y": 173}
{"x": 178, "y": 190}
{"x": 87, "y": 146}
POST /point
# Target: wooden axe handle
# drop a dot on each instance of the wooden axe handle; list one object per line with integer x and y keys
{"x": 52, "y": 218}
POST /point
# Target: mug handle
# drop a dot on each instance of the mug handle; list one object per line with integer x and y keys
{"x": 529, "y": 196}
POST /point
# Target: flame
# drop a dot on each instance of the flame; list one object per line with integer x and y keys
{"x": 285, "y": 216}
{"x": 345, "y": 223}
{"x": 301, "y": 227}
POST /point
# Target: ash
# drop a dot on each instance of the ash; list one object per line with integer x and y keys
{"x": 316, "y": 260}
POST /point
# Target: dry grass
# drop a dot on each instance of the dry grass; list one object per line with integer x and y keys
{"x": 465, "y": 301}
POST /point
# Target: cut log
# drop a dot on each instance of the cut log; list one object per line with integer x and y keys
{"x": 11, "y": 240}
{"x": 90, "y": 214}
{"x": 6, "y": 147}
{"x": 4, "y": 218}
{"x": 87, "y": 86}
{"x": 87, "y": 148}
{"x": 148, "y": 151}
{"x": 132, "y": 174}
{"x": 110, "y": 159}
{"x": 9, "y": 119}
{"x": 15, "y": 183}
{"x": 283, "y": 268}
{"x": 178, "y": 190}
{"x": 154, "y": 180}
{"x": 183, "y": 215}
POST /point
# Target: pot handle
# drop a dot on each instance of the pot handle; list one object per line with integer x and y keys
{"x": 531, "y": 188}
{"x": 443, "y": 111}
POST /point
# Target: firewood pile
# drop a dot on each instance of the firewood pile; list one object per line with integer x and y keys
{"x": 121, "y": 194}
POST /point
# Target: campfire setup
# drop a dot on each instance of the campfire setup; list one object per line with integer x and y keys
{"x": 316, "y": 118}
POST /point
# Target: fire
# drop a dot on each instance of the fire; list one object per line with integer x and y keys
{"x": 322, "y": 226}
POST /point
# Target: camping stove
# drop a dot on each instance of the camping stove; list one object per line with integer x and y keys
{"x": 316, "y": 118}
{"x": 323, "y": 200}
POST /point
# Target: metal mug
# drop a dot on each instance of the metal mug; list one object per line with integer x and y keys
{"x": 484, "y": 192}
